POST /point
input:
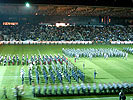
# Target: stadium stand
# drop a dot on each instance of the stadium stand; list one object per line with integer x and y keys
{"x": 68, "y": 33}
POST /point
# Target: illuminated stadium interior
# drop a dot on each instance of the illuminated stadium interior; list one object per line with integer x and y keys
{"x": 66, "y": 49}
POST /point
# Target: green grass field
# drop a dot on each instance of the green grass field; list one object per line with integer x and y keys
{"x": 111, "y": 70}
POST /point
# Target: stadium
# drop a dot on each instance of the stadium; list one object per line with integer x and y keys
{"x": 66, "y": 50}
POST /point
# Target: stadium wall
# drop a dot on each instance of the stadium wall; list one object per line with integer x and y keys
{"x": 46, "y": 42}
{"x": 77, "y": 20}
{"x": 61, "y": 42}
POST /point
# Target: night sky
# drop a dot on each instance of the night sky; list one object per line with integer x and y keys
{"x": 113, "y": 3}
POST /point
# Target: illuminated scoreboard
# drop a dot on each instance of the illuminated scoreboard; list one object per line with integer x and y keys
{"x": 10, "y": 23}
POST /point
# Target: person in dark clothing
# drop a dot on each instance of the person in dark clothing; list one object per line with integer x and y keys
{"x": 22, "y": 79}
{"x": 123, "y": 97}
{"x": 33, "y": 89}
{"x": 17, "y": 92}
{"x": 39, "y": 90}
{"x": 120, "y": 95}
{"x": 95, "y": 73}
{"x": 4, "y": 93}
{"x": 30, "y": 76}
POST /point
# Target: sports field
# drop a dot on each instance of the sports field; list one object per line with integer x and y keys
{"x": 112, "y": 70}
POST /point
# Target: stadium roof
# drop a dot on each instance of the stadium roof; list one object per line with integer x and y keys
{"x": 65, "y": 10}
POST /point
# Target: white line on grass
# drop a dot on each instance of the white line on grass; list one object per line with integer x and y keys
{"x": 9, "y": 76}
{"x": 2, "y": 73}
{"x": 92, "y": 98}
{"x": 18, "y": 76}
{"x": 105, "y": 98}
{"x": 38, "y": 51}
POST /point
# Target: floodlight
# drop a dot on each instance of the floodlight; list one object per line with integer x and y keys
{"x": 27, "y": 4}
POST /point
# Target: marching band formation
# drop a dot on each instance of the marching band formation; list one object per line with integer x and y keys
{"x": 52, "y": 68}
{"x": 55, "y": 69}
{"x": 90, "y": 53}
{"x": 81, "y": 89}
{"x": 128, "y": 49}
{"x": 34, "y": 59}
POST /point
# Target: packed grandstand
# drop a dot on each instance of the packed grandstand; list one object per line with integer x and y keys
{"x": 66, "y": 33}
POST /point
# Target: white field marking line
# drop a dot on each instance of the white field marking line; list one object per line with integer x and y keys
{"x": 38, "y": 51}
{"x": 9, "y": 76}
{"x": 90, "y": 98}
{"x": 105, "y": 98}
{"x": 80, "y": 98}
{"x": 19, "y": 76}
{"x": 3, "y": 71}
{"x": 16, "y": 77}
{"x": 112, "y": 76}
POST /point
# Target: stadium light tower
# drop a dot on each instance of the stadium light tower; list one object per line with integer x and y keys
{"x": 27, "y": 4}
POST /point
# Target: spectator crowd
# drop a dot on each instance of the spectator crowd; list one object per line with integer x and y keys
{"x": 68, "y": 33}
